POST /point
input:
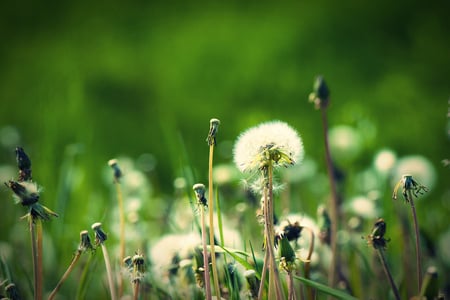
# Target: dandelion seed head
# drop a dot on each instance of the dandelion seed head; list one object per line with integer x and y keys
{"x": 273, "y": 136}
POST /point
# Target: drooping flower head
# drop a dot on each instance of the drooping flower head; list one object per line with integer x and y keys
{"x": 272, "y": 141}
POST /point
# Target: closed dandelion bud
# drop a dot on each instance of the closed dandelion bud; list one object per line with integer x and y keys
{"x": 430, "y": 284}
{"x": 324, "y": 223}
{"x": 23, "y": 164}
{"x": 252, "y": 283}
{"x": 12, "y": 292}
{"x": 321, "y": 94}
{"x": 128, "y": 262}
{"x": 116, "y": 170}
{"x": 376, "y": 238}
{"x": 26, "y": 193}
{"x": 85, "y": 242}
{"x": 286, "y": 254}
{"x": 100, "y": 235}
{"x": 139, "y": 263}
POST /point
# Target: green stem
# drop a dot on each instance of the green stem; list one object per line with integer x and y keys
{"x": 66, "y": 274}
{"x": 308, "y": 262}
{"x": 122, "y": 230}
{"x": 418, "y": 252}
{"x": 388, "y": 273}
{"x": 109, "y": 272}
{"x": 211, "y": 222}
{"x": 291, "y": 289}
{"x": 36, "y": 249}
{"x": 333, "y": 204}
{"x": 205, "y": 256}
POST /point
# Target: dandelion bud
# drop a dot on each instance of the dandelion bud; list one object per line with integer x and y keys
{"x": 213, "y": 128}
{"x": 430, "y": 284}
{"x": 100, "y": 235}
{"x": 252, "y": 282}
{"x": 286, "y": 254}
{"x": 200, "y": 190}
{"x": 117, "y": 172}
{"x": 27, "y": 193}
{"x": 128, "y": 262}
{"x": 138, "y": 263}
{"x": 12, "y": 292}
{"x": 85, "y": 242}
{"x": 321, "y": 94}
{"x": 24, "y": 164}
{"x": 376, "y": 238}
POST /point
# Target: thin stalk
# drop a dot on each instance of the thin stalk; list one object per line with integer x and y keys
{"x": 205, "y": 256}
{"x": 291, "y": 289}
{"x": 263, "y": 275}
{"x": 137, "y": 284}
{"x": 122, "y": 230}
{"x": 308, "y": 262}
{"x": 418, "y": 252}
{"x": 388, "y": 273}
{"x": 66, "y": 274}
{"x": 211, "y": 222}
{"x": 109, "y": 272}
{"x": 36, "y": 249}
{"x": 269, "y": 258}
{"x": 333, "y": 204}
{"x": 82, "y": 286}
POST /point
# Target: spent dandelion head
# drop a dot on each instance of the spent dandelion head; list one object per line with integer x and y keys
{"x": 200, "y": 190}
{"x": 213, "y": 128}
{"x": 12, "y": 292}
{"x": 272, "y": 141}
{"x": 117, "y": 172}
{"x": 85, "y": 242}
{"x": 409, "y": 187}
{"x": 286, "y": 254}
{"x": 100, "y": 235}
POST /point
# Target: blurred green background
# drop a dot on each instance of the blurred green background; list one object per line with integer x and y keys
{"x": 82, "y": 82}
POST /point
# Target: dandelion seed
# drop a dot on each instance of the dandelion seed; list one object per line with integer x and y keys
{"x": 274, "y": 140}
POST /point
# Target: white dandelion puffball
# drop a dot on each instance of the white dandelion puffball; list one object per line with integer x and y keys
{"x": 278, "y": 135}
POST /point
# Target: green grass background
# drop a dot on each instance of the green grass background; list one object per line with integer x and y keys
{"x": 82, "y": 82}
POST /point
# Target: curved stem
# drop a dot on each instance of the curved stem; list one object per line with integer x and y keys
{"x": 66, "y": 274}
{"x": 308, "y": 261}
{"x": 211, "y": 222}
{"x": 109, "y": 272}
{"x": 388, "y": 273}
{"x": 418, "y": 253}
{"x": 333, "y": 204}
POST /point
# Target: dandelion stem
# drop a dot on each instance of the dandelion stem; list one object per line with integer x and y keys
{"x": 137, "y": 284}
{"x": 109, "y": 272}
{"x": 333, "y": 203}
{"x": 211, "y": 222}
{"x": 66, "y": 274}
{"x": 387, "y": 272}
{"x": 291, "y": 289}
{"x": 308, "y": 262}
{"x": 36, "y": 248}
{"x": 205, "y": 256}
{"x": 122, "y": 229}
{"x": 418, "y": 253}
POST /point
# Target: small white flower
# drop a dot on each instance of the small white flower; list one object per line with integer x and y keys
{"x": 274, "y": 140}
